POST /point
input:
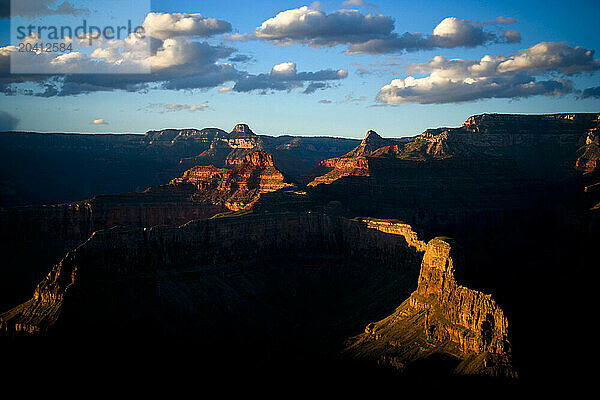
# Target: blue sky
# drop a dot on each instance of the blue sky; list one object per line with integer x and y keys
{"x": 346, "y": 104}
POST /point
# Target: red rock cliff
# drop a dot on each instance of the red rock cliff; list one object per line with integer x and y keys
{"x": 440, "y": 317}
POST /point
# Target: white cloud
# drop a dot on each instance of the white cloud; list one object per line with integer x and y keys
{"x": 164, "y": 25}
{"x": 521, "y": 75}
{"x": 317, "y": 29}
{"x": 99, "y": 121}
{"x": 284, "y": 70}
{"x": 552, "y": 56}
{"x": 449, "y": 33}
{"x": 177, "y": 61}
{"x": 373, "y": 33}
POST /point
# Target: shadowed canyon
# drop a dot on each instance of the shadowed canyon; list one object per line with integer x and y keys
{"x": 457, "y": 254}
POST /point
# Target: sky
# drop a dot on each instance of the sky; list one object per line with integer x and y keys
{"x": 335, "y": 68}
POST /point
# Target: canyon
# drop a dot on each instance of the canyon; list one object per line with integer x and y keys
{"x": 95, "y": 164}
{"x": 257, "y": 251}
{"x": 168, "y": 265}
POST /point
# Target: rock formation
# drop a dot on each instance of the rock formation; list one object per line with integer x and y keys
{"x": 589, "y": 163}
{"x": 94, "y": 164}
{"x": 238, "y": 188}
{"x": 452, "y": 319}
{"x": 201, "y": 192}
{"x": 440, "y": 317}
{"x": 369, "y": 144}
{"x": 526, "y": 140}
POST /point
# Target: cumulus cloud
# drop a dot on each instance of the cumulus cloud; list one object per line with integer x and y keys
{"x": 285, "y": 76}
{"x": 99, "y": 121}
{"x": 522, "y": 75}
{"x": 174, "y": 63}
{"x": 552, "y": 56}
{"x": 373, "y": 34}
{"x": 174, "y": 58}
{"x": 7, "y": 121}
{"x": 317, "y": 29}
{"x": 164, "y": 25}
{"x": 449, "y": 33}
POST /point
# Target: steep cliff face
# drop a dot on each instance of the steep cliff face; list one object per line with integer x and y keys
{"x": 380, "y": 256}
{"x": 542, "y": 145}
{"x": 294, "y": 155}
{"x": 589, "y": 163}
{"x": 440, "y": 318}
{"x": 342, "y": 167}
{"x": 53, "y": 168}
{"x": 201, "y": 192}
{"x": 228, "y": 149}
{"x": 238, "y": 188}
{"x": 217, "y": 247}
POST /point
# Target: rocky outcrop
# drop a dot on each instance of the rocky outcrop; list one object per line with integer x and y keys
{"x": 238, "y": 188}
{"x": 589, "y": 163}
{"x": 207, "y": 248}
{"x": 453, "y": 320}
{"x": 53, "y": 168}
{"x": 201, "y": 192}
{"x": 486, "y": 139}
{"x": 369, "y": 144}
{"x": 440, "y": 317}
{"x": 342, "y": 167}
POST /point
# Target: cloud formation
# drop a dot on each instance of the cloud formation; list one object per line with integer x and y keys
{"x": 449, "y": 33}
{"x": 173, "y": 56}
{"x": 316, "y": 28}
{"x": 373, "y": 34}
{"x": 285, "y": 76}
{"x": 450, "y": 81}
{"x": 164, "y": 25}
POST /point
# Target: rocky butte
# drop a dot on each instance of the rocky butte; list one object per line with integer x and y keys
{"x": 467, "y": 324}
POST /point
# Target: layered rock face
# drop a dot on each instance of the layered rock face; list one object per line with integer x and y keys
{"x": 238, "y": 188}
{"x": 294, "y": 155}
{"x": 52, "y": 168}
{"x": 227, "y": 149}
{"x": 449, "y": 178}
{"x": 114, "y": 264}
{"x": 544, "y": 141}
{"x": 440, "y": 317}
{"x": 589, "y": 163}
{"x": 201, "y": 192}
{"x": 200, "y": 249}
{"x": 36, "y": 235}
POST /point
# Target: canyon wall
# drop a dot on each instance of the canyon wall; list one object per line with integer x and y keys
{"x": 73, "y": 297}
